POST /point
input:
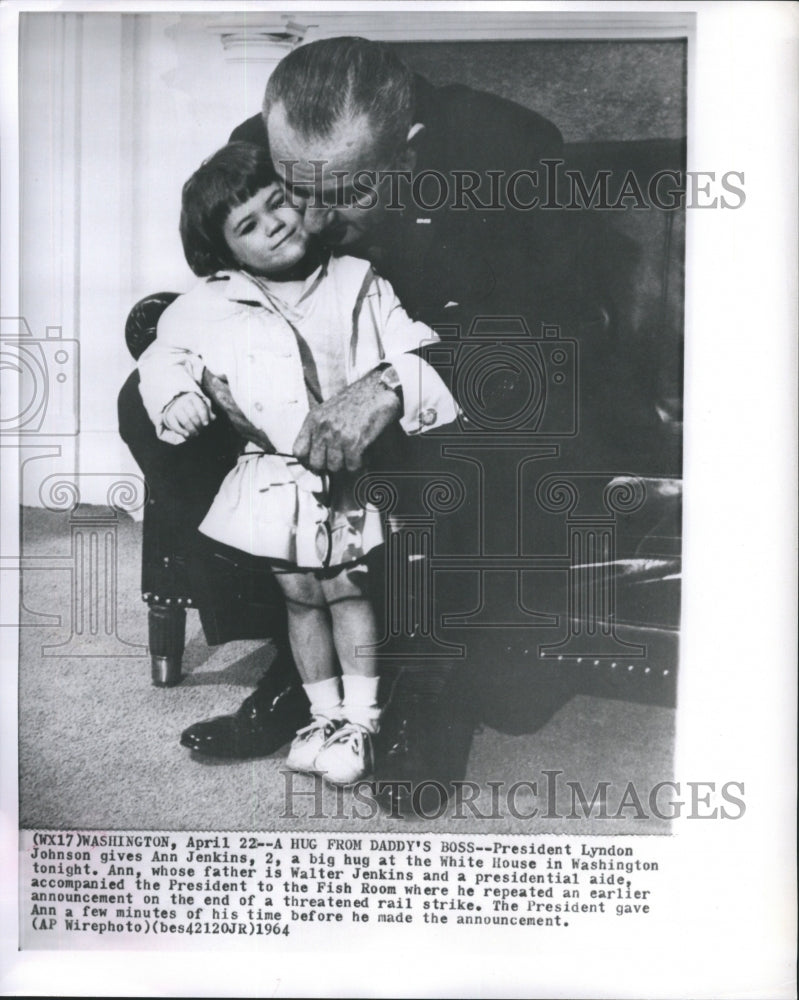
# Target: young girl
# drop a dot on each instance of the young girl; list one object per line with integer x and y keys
{"x": 279, "y": 326}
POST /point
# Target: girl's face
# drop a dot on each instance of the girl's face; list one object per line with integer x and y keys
{"x": 265, "y": 234}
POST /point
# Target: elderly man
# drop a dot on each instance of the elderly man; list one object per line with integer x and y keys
{"x": 371, "y": 150}
{"x": 437, "y": 187}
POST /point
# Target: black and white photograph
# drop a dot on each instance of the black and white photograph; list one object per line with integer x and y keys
{"x": 493, "y": 584}
{"x": 354, "y": 368}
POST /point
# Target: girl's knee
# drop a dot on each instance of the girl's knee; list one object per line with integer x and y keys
{"x": 302, "y": 591}
{"x": 350, "y": 582}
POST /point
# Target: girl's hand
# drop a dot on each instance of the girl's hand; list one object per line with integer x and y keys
{"x": 187, "y": 414}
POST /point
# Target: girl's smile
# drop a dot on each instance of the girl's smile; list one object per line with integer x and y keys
{"x": 266, "y": 234}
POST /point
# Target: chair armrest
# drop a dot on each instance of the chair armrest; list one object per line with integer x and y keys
{"x": 143, "y": 319}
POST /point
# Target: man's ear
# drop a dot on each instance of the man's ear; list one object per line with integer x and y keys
{"x": 407, "y": 158}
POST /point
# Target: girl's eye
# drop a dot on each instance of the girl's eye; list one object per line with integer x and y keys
{"x": 248, "y": 228}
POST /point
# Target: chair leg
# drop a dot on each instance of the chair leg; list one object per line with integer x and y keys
{"x": 167, "y": 633}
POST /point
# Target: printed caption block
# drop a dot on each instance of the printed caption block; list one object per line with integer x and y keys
{"x": 83, "y": 889}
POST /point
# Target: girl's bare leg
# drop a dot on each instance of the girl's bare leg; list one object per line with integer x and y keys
{"x": 311, "y": 639}
{"x": 309, "y": 626}
{"x": 347, "y": 756}
{"x": 354, "y": 623}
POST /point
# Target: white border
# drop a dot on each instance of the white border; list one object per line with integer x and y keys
{"x": 732, "y": 934}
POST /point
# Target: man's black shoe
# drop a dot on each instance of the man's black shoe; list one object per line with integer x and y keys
{"x": 424, "y": 743}
{"x": 266, "y": 720}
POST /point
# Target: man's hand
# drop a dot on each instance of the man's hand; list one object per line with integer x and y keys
{"x": 187, "y": 414}
{"x": 336, "y": 433}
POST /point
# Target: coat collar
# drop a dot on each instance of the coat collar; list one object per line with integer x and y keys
{"x": 239, "y": 286}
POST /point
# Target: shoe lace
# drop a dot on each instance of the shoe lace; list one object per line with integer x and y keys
{"x": 320, "y": 722}
{"x": 356, "y": 737}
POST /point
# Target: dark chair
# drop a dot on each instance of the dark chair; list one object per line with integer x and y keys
{"x": 627, "y": 263}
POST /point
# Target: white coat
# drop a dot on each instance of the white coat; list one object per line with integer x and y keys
{"x": 231, "y": 325}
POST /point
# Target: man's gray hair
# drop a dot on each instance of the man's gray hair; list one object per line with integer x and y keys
{"x": 334, "y": 80}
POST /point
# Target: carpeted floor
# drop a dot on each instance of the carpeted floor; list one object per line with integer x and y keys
{"x": 99, "y": 744}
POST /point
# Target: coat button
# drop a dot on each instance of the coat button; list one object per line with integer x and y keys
{"x": 427, "y": 417}
{"x": 259, "y": 406}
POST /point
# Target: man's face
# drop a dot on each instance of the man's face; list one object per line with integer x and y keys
{"x": 327, "y": 177}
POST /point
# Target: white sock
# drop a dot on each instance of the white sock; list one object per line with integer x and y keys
{"x": 325, "y": 698}
{"x": 360, "y": 701}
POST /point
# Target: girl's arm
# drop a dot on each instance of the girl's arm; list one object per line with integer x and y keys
{"x": 169, "y": 369}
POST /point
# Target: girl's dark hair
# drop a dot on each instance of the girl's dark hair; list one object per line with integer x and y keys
{"x": 228, "y": 178}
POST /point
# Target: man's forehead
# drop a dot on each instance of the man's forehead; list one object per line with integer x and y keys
{"x": 349, "y": 147}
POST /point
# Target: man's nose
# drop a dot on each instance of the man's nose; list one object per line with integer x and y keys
{"x": 317, "y": 219}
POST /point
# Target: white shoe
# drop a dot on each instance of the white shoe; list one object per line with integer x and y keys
{"x": 346, "y": 756}
{"x": 309, "y": 741}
